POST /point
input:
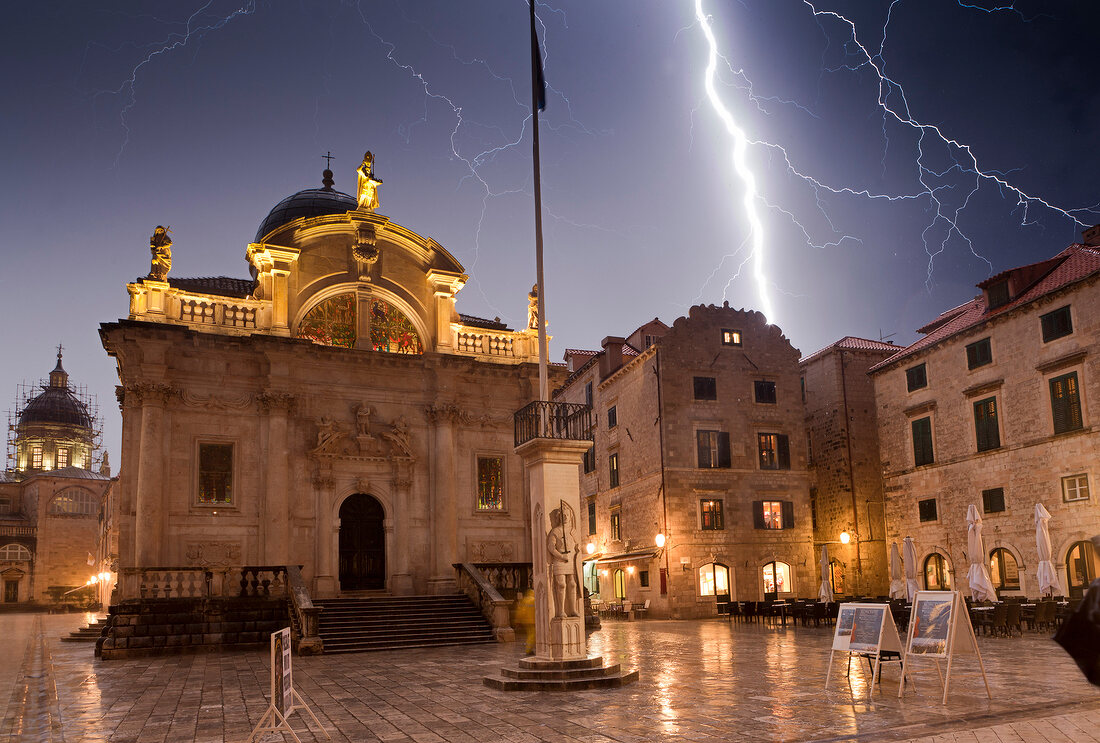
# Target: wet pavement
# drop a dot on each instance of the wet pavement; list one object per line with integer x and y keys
{"x": 700, "y": 681}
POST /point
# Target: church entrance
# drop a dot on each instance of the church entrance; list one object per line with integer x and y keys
{"x": 362, "y": 544}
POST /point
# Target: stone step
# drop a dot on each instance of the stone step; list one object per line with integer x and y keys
{"x": 388, "y": 622}
{"x": 88, "y": 633}
{"x": 602, "y": 682}
{"x": 568, "y": 673}
{"x": 368, "y": 647}
{"x": 534, "y": 674}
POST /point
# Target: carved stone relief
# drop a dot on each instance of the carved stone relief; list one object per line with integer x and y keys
{"x": 213, "y": 554}
{"x": 492, "y": 551}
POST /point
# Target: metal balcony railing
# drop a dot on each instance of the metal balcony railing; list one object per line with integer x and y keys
{"x": 553, "y": 420}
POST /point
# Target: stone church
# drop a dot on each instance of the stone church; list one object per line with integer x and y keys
{"x": 333, "y": 410}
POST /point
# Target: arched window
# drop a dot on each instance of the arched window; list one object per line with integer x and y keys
{"x": 14, "y": 553}
{"x": 836, "y": 574}
{"x": 74, "y": 502}
{"x": 937, "y": 573}
{"x": 391, "y": 331}
{"x": 620, "y": 584}
{"x": 777, "y": 577}
{"x": 1004, "y": 570}
{"x": 331, "y": 322}
{"x": 1080, "y": 568}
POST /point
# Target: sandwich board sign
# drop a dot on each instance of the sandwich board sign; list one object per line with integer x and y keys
{"x": 867, "y": 630}
{"x": 284, "y": 697}
{"x": 940, "y": 629}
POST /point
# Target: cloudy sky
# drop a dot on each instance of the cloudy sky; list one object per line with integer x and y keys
{"x": 865, "y": 124}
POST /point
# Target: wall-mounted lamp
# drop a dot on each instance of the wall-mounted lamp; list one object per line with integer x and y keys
{"x": 659, "y": 540}
{"x": 845, "y": 537}
{"x": 590, "y": 548}
{"x": 630, "y": 569}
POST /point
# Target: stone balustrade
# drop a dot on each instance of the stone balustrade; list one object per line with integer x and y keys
{"x": 522, "y": 346}
{"x": 201, "y": 582}
{"x": 494, "y": 607}
{"x": 156, "y": 301}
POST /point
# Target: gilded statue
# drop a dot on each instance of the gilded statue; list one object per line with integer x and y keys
{"x": 562, "y": 551}
{"x": 533, "y": 308}
{"x": 367, "y": 185}
{"x": 160, "y": 245}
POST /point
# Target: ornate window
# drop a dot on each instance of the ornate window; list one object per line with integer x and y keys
{"x": 391, "y": 331}
{"x": 331, "y": 322}
{"x": 14, "y": 553}
{"x": 74, "y": 502}
{"x": 490, "y": 484}
{"x": 215, "y": 474}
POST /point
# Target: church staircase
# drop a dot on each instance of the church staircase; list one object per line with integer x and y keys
{"x": 360, "y": 623}
{"x": 89, "y": 633}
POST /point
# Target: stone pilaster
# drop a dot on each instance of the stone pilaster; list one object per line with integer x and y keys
{"x": 400, "y": 579}
{"x": 276, "y": 407}
{"x": 327, "y": 536}
{"x": 148, "y": 506}
{"x": 444, "y": 522}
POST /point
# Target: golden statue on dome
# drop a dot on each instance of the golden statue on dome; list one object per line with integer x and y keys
{"x": 160, "y": 245}
{"x": 367, "y": 185}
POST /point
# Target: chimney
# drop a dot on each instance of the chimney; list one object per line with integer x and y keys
{"x": 612, "y": 358}
{"x": 1091, "y": 236}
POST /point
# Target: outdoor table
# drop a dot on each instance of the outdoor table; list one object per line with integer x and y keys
{"x": 782, "y": 606}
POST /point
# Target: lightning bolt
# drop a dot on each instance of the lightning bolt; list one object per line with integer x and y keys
{"x": 946, "y": 189}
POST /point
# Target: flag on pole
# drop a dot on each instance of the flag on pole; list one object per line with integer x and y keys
{"x": 538, "y": 81}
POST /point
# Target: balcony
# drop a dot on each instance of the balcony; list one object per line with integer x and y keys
{"x": 553, "y": 420}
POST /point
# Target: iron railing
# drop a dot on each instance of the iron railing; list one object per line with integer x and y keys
{"x": 553, "y": 420}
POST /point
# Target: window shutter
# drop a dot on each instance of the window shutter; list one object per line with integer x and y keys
{"x": 788, "y": 514}
{"x": 723, "y": 449}
{"x": 718, "y": 516}
{"x": 784, "y": 452}
{"x": 758, "y": 514}
{"x": 702, "y": 446}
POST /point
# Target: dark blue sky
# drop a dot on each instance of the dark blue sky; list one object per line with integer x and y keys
{"x": 643, "y": 210}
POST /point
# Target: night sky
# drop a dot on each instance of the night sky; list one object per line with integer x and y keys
{"x": 121, "y": 116}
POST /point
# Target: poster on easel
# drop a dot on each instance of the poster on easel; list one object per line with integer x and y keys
{"x": 284, "y": 697}
{"x": 866, "y": 630}
{"x": 940, "y": 629}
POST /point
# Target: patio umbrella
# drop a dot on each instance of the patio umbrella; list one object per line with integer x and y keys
{"x": 1048, "y": 577}
{"x": 826, "y": 592}
{"x": 910, "y": 552}
{"x": 981, "y": 586}
{"x": 897, "y": 574}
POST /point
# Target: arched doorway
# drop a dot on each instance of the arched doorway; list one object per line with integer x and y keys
{"x": 1080, "y": 568}
{"x": 362, "y": 544}
{"x": 777, "y": 579}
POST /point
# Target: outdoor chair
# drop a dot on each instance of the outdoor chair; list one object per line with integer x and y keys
{"x": 641, "y": 611}
{"x": 1012, "y": 618}
{"x": 1044, "y": 616}
{"x": 750, "y": 611}
{"x": 735, "y": 610}
{"x": 995, "y": 620}
{"x": 819, "y": 613}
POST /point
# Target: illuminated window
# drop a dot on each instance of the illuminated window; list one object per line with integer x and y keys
{"x": 710, "y": 512}
{"x": 62, "y": 458}
{"x": 616, "y": 526}
{"x": 777, "y": 577}
{"x": 937, "y": 574}
{"x": 391, "y": 331}
{"x": 14, "y": 553}
{"x": 331, "y": 322}
{"x": 765, "y": 391}
{"x": 613, "y": 469}
{"x": 770, "y": 514}
{"x": 36, "y": 457}
{"x": 620, "y": 584}
{"x": 1075, "y": 487}
{"x": 215, "y": 473}
{"x": 74, "y": 502}
{"x": 985, "y": 424}
{"x": 1080, "y": 568}
{"x": 1065, "y": 403}
{"x": 713, "y": 578}
{"x": 916, "y": 377}
{"x": 1004, "y": 570}
{"x": 775, "y": 451}
{"x": 490, "y": 484}
{"x": 1056, "y": 324}
{"x": 712, "y": 449}
{"x": 731, "y": 337}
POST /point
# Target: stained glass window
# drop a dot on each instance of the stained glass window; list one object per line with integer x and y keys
{"x": 215, "y": 473}
{"x": 391, "y": 331}
{"x": 490, "y": 484}
{"x": 331, "y": 322}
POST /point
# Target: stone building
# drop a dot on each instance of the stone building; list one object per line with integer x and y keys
{"x": 333, "y": 410}
{"x": 53, "y": 548}
{"x": 698, "y": 438}
{"x": 993, "y": 407}
{"x": 842, "y": 440}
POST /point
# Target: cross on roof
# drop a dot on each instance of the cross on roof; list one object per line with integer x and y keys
{"x": 328, "y": 159}
{"x": 58, "y": 350}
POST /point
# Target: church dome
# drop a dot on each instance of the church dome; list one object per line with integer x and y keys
{"x": 56, "y": 404}
{"x": 311, "y": 202}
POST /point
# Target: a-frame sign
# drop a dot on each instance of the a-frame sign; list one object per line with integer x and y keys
{"x": 867, "y": 630}
{"x": 940, "y": 629}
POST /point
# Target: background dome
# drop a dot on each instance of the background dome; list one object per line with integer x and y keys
{"x": 56, "y": 405}
{"x": 312, "y": 202}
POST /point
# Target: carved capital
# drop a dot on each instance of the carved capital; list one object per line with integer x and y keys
{"x": 152, "y": 393}
{"x": 277, "y": 401}
{"x": 447, "y": 412}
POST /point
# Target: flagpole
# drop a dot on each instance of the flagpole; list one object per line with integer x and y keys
{"x": 536, "y": 86}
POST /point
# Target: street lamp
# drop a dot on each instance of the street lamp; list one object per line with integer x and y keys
{"x": 845, "y": 537}
{"x": 659, "y": 540}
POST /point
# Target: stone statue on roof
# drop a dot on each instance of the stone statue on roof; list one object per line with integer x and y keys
{"x": 367, "y": 185}
{"x": 160, "y": 245}
{"x": 533, "y": 308}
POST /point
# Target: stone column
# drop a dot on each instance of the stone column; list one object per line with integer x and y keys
{"x": 444, "y": 515}
{"x": 552, "y": 472}
{"x": 400, "y": 579}
{"x": 327, "y": 534}
{"x": 276, "y": 494}
{"x": 152, "y": 466}
{"x": 363, "y": 295}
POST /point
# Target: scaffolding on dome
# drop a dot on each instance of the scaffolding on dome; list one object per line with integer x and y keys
{"x": 25, "y": 392}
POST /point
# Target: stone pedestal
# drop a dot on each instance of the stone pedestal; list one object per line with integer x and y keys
{"x": 401, "y": 584}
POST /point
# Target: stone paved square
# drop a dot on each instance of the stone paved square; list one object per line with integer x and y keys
{"x": 701, "y": 680}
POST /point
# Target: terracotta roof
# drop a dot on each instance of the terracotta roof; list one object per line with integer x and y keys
{"x": 222, "y": 286}
{"x": 70, "y": 473}
{"x": 852, "y": 343}
{"x": 579, "y": 352}
{"x": 1074, "y": 264}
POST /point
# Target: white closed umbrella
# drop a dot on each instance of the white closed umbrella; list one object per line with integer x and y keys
{"x": 981, "y": 585}
{"x": 826, "y": 592}
{"x": 897, "y": 574}
{"x": 909, "y": 551}
{"x": 1048, "y": 576}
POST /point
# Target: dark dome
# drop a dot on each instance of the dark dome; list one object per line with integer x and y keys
{"x": 312, "y": 202}
{"x": 56, "y": 405}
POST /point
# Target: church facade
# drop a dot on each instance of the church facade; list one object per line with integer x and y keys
{"x": 333, "y": 411}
